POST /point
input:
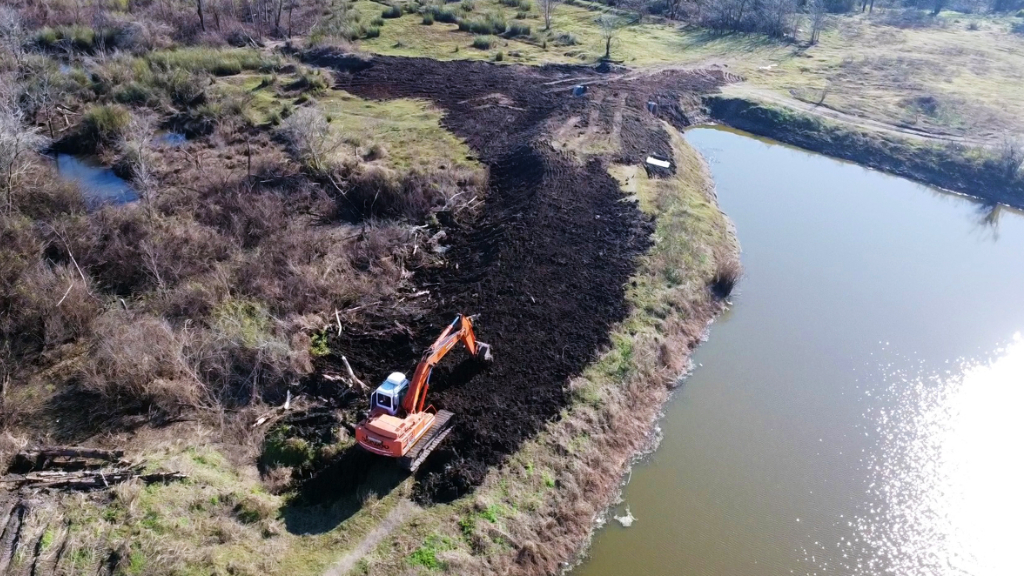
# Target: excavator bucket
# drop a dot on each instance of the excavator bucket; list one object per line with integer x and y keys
{"x": 483, "y": 352}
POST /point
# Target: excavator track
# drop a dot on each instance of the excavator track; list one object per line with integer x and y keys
{"x": 438, "y": 431}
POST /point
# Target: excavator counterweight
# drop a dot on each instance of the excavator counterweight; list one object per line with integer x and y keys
{"x": 400, "y": 424}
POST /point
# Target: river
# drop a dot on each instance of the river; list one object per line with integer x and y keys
{"x": 856, "y": 411}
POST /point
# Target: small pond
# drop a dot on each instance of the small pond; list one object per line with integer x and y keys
{"x": 98, "y": 182}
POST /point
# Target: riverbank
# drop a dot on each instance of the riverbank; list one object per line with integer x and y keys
{"x": 534, "y": 514}
{"x": 989, "y": 174}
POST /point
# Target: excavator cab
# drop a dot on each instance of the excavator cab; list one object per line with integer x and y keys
{"x": 387, "y": 398}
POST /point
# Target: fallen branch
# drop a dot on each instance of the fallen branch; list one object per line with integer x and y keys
{"x": 100, "y": 454}
{"x": 88, "y": 479}
{"x": 352, "y": 375}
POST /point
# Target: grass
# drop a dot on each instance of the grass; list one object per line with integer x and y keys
{"x": 219, "y": 62}
{"x": 961, "y": 78}
{"x": 426, "y": 555}
{"x": 404, "y": 134}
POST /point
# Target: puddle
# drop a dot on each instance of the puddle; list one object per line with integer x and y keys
{"x": 172, "y": 139}
{"x": 98, "y": 182}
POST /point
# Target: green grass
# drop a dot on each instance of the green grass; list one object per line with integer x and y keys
{"x": 409, "y": 130}
{"x": 105, "y": 123}
{"x": 426, "y": 555}
{"x": 216, "y": 61}
{"x": 407, "y": 133}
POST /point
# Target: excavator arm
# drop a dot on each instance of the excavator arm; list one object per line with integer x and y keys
{"x": 461, "y": 330}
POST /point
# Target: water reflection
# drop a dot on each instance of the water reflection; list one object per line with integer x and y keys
{"x": 172, "y": 139}
{"x": 945, "y": 479}
{"x": 98, "y": 182}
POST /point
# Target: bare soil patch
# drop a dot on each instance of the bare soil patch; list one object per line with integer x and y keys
{"x": 545, "y": 264}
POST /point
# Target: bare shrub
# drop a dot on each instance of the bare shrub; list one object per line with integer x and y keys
{"x": 61, "y": 300}
{"x": 310, "y": 139}
{"x": 1010, "y": 156}
{"x": 12, "y": 34}
{"x": 140, "y": 361}
{"x": 137, "y": 157}
{"x": 244, "y": 357}
{"x": 772, "y": 17}
{"x": 44, "y": 304}
{"x": 129, "y": 250}
{"x": 726, "y": 276}
{"x": 911, "y": 18}
{"x": 18, "y": 144}
{"x": 374, "y": 191}
{"x": 44, "y": 195}
{"x": 248, "y": 217}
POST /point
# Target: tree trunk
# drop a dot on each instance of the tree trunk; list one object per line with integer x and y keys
{"x": 202, "y": 20}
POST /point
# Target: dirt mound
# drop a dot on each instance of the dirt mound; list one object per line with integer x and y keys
{"x": 544, "y": 266}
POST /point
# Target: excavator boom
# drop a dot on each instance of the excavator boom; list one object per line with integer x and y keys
{"x": 461, "y": 330}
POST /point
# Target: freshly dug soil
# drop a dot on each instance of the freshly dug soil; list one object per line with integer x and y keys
{"x": 546, "y": 263}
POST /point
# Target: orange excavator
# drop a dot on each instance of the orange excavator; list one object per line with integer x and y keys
{"x": 399, "y": 424}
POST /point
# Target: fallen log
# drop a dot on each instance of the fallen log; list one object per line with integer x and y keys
{"x": 110, "y": 455}
{"x": 87, "y": 480}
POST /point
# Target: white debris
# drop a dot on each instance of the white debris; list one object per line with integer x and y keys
{"x": 626, "y": 520}
{"x": 659, "y": 163}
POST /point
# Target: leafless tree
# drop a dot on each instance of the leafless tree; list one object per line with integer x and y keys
{"x": 548, "y": 6}
{"x": 1011, "y": 156}
{"x": 610, "y": 25}
{"x": 12, "y": 34}
{"x": 772, "y": 17}
{"x": 202, "y": 19}
{"x": 18, "y": 142}
{"x": 817, "y": 11}
{"x": 673, "y": 8}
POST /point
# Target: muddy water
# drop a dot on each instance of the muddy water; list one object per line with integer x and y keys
{"x": 857, "y": 411}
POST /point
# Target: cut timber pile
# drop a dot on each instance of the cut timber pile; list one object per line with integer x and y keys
{"x": 77, "y": 469}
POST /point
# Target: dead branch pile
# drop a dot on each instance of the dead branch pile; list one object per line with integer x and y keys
{"x": 83, "y": 469}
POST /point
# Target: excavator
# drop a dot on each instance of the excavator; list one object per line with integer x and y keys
{"x": 400, "y": 425}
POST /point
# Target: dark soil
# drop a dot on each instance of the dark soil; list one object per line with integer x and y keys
{"x": 544, "y": 265}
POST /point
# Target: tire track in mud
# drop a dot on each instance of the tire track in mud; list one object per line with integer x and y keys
{"x": 546, "y": 263}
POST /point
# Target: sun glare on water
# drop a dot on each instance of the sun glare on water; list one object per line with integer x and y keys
{"x": 947, "y": 480}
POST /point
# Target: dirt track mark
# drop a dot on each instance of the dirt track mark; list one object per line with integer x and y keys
{"x": 764, "y": 95}
{"x": 11, "y": 535}
{"x": 594, "y": 119}
{"x": 617, "y": 117}
{"x": 404, "y": 510}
